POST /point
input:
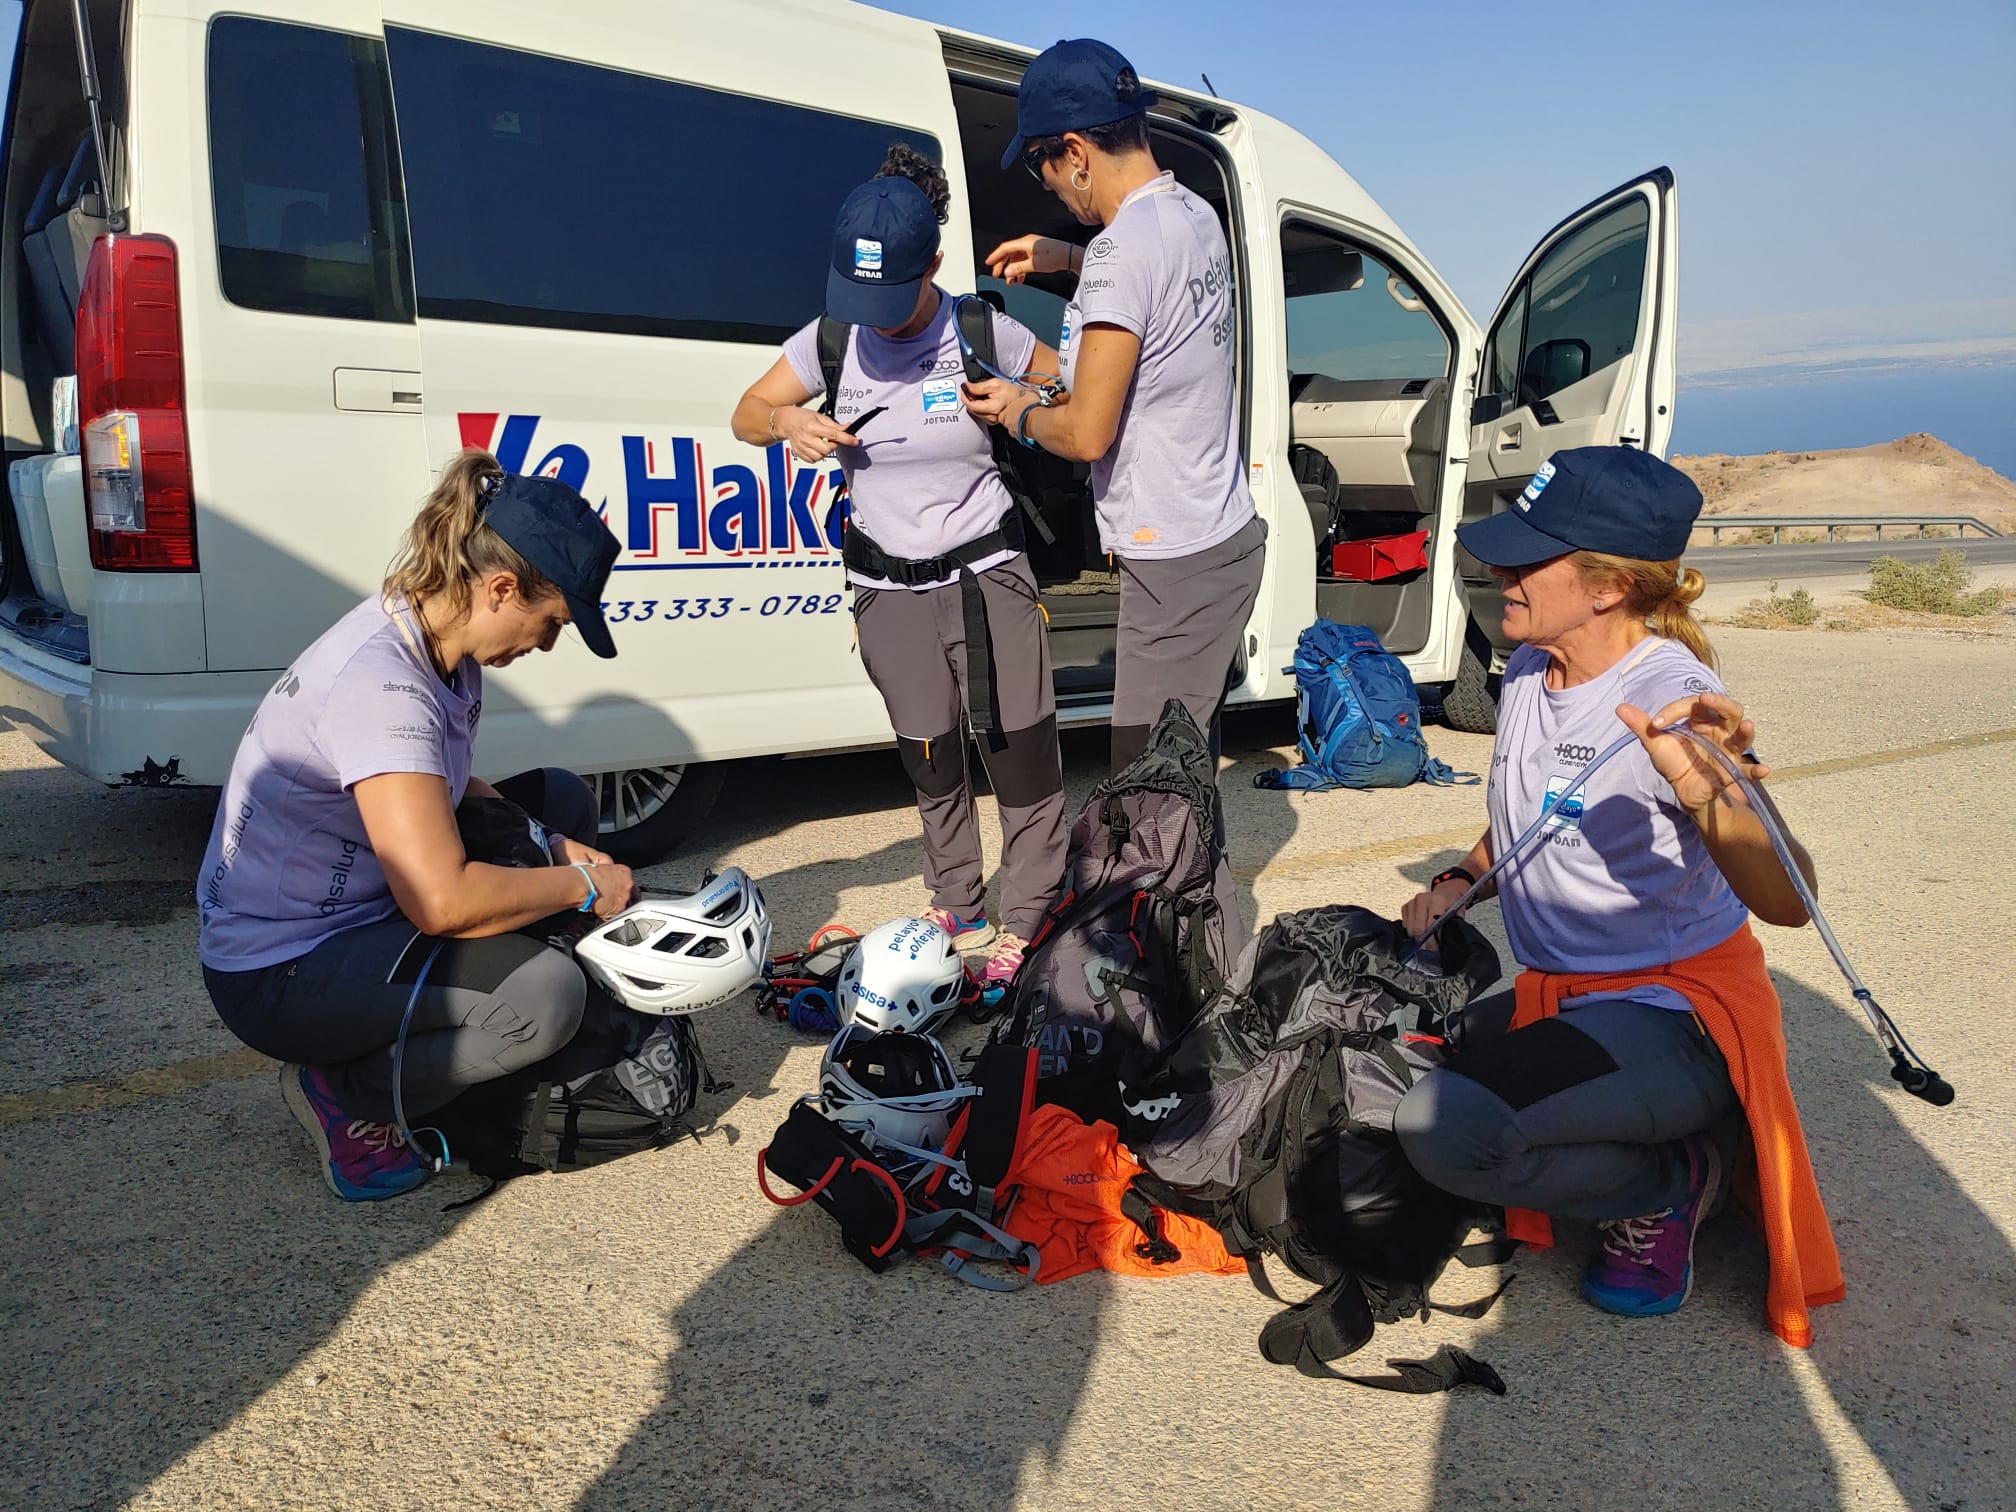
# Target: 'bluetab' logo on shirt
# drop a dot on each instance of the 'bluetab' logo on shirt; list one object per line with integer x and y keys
{"x": 1541, "y": 479}
{"x": 940, "y": 395}
{"x": 1561, "y": 815}
{"x": 867, "y": 255}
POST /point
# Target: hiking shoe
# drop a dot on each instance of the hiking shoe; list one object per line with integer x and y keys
{"x": 362, "y": 1162}
{"x": 1003, "y": 961}
{"x": 1645, "y": 1267}
{"x": 966, "y": 934}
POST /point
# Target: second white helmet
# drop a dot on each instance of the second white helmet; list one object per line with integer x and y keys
{"x": 904, "y": 977}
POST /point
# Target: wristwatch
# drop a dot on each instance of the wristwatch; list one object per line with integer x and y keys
{"x": 1454, "y": 874}
{"x": 587, "y": 903}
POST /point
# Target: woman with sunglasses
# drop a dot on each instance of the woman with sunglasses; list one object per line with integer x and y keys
{"x": 1147, "y": 355}
{"x": 945, "y": 604}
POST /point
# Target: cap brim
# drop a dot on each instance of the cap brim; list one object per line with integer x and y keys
{"x": 594, "y": 629}
{"x": 880, "y": 305}
{"x": 1014, "y": 151}
{"x": 1506, "y": 540}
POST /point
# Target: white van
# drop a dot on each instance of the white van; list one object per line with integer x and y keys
{"x": 312, "y": 247}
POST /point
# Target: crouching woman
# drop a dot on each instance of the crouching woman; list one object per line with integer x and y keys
{"x": 1614, "y": 1082}
{"x": 335, "y": 866}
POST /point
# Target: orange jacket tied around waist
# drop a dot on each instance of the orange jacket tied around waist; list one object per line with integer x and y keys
{"x": 1732, "y": 993}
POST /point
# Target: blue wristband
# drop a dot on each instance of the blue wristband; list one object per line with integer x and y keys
{"x": 1022, "y": 427}
{"x": 587, "y": 903}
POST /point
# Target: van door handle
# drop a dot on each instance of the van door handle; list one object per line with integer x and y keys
{"x": 1509, "y": 439}
{"x": 377, "y": 389}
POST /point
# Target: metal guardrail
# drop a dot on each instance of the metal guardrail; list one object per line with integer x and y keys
{"x": 1918, "y": 524}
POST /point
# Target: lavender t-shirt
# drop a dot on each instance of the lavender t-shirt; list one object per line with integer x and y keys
{"x": 288, "y": 863}
{"x": 1621, "y": 878}
{"x": 923, "y": 480}
{"x": 1173, "y": 482}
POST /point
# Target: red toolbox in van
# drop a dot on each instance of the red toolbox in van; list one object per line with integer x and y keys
{"x": 1379, "y": 557}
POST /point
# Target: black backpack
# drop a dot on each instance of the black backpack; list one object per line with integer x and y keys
{"x": 623, "y": 1084}
{"x": 1273, "y": 1120}
{"x": 1013, "y": 460}
{"x": 1135, "y": 942}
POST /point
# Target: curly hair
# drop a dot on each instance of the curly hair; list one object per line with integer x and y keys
{"x": 905, "y": 161}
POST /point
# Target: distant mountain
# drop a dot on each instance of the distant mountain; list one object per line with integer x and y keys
{"x": 1915, "y": 474}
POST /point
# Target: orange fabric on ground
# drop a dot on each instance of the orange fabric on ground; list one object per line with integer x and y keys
{"x": 1732, "y": 993}
{"x": 1071, "y": 1176}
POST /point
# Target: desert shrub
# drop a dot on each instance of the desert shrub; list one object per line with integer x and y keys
{"x": 1940, "y": 586}
{"x": 1778, "y": 609}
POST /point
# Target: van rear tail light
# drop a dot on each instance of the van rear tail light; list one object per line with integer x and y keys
{"x": 130, "y": 408}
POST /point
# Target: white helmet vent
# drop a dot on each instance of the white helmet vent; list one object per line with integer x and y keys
{"x": 671, "y": 955}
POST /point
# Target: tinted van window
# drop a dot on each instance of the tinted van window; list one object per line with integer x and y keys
{"x": 304, "y": 172}
{"x": 552, "y": 193}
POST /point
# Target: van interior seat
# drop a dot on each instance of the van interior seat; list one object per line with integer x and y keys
{"x": 66, "y": 217}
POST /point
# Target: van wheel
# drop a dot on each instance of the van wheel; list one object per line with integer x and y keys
{"x": 648, "y": 812}
{"x": 1468, "y": 704}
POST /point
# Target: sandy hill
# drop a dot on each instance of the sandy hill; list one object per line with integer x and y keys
{"x": 1918, "y": 474}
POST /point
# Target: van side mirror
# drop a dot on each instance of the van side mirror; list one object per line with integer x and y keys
{"x": 1488, "y": 407}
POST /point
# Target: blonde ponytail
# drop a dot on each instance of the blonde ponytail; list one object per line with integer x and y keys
{"x": 1662, "y": 593}
{"x": 448, "y": 545}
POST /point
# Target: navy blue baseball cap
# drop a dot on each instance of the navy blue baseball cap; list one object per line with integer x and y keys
{"x": 883, "y": 244}
{"x": 1614, "y": 499}
{"x": 558, "y": 533}
{"x": 1070, "y": 87}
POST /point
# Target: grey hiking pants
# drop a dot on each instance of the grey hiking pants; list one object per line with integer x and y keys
{"x": 913, "y": 643}
{"x": 1581, "y": 1115}
{"x": 1180, "y": 623}
{"x": 489, "y": 1007}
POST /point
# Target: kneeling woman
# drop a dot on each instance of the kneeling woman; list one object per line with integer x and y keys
{"x": 335, "y": 852}
{"x": 945, "y": 603}
{"x": 1601, "y": 1088}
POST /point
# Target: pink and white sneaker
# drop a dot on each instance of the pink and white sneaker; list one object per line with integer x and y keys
{"x": 1002, "y": 962}
{"x": 966, "y": 934}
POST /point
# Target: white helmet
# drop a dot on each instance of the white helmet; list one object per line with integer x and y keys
{"x": 896, "y": 1090}
{"x": 904, "y": 977}
{"x": 685, "y": 952}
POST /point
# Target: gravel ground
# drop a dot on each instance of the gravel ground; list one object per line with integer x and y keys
{"x": 187, "y": 1318}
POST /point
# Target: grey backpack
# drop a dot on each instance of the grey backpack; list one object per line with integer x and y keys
{"x": 1135, "y": 943}
{"x": 1273, "y": 1119}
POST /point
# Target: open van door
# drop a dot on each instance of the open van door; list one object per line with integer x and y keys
{"x": 1581, "y": 352}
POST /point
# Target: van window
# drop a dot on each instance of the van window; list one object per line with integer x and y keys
{"x": 1577, "y": 312}
{"x": 553, "y": 193}
{"x": 304, "y": 173}
{"x": 1345, "y": 316}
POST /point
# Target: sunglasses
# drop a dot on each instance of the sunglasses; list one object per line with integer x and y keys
{"x": 1033, "y": 159}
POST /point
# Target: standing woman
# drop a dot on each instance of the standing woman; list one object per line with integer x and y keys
{"x": 1612, "y": 1083}
{"x": 335, "y": 865}
{"x": 1148, "y": 358}
{"x": 944, "y": 600}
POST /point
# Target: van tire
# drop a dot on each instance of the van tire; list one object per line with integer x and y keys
{"x": 671, "y": 818}
{"x": 1470, "y": 703}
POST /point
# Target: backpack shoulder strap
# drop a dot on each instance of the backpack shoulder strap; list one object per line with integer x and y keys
{"x": 976, "y": 329}
{"x": 832, "y": 354}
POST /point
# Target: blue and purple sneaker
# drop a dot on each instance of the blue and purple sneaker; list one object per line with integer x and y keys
{"x": 362, "y": 1162}
{"x": 1645, "y": 1267}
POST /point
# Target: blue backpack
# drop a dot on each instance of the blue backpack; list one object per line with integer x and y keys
{"x": 1360, "y": 717}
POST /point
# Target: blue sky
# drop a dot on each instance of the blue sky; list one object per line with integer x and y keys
{"x": 1845, "y": 169}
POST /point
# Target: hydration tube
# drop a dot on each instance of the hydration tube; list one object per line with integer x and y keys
{"x": 1907, "y": 1067}
{"x": 1032, "y": 381}
{"x": 398, "y": 1063}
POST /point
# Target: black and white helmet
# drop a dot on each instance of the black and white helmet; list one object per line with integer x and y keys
{"x": 897, "y": 1091}
{"x": 905, "y": 977}
{"x": 679, "y": 954}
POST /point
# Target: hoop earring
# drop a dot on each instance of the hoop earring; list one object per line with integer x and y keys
{"x": 1084, "y": 174}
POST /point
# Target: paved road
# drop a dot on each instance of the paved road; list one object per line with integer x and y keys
{"x": 188, "y": 1319}
{"x": 1756, "y": 564}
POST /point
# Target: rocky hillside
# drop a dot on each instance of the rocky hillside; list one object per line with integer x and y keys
{"x": 1918, "y": 474}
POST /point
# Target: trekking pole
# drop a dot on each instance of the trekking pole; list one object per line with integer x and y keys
{"x": 1907, "y": 1068}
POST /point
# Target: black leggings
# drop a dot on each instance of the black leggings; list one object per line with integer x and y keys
{"x": 490, "y": 1006}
